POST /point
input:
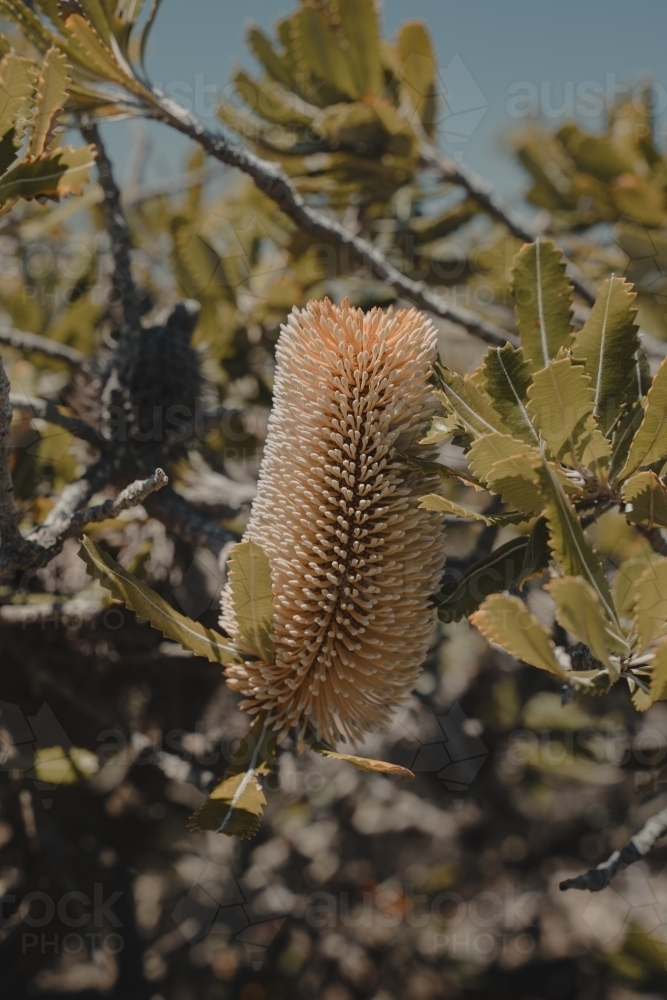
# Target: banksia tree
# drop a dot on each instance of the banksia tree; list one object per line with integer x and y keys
{"x": 353, "y": 559}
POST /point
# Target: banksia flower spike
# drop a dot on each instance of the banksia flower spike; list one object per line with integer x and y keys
{"x": 353, "y": 559}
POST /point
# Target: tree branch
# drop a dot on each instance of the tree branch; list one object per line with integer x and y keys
{"x": 30, "y": 342}
{"x": 46, "y": 410}
{"x": 636, "y": 849}
{"x": 482, "y": 192}
{"x": 271, "y": 179}
{"x": 184, "y": 521}
{"x": 67, "y": 518}
{"x": 126, "y": 305}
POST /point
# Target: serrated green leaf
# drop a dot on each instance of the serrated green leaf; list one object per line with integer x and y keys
{"x": 50, "y": 98}
{"x": 560, "y": 405}
{"x": 507, "y": 622}
{"x": 579, "y": 610}
{"x": 274, "y": 102}
{"x": 507, "y": 467}
{"x": 417, "y": 66}
{"x": 433, "y": 501}
{"x": 359, "y": 21}
{"x": 361, "y": 763}
{"x": 86, "y": 48}
{"x": 139, "y": 597}
{"x": 17, "y": 78}
{"x": 234, "y": 808}
{"x": 607, "y": 344}
{"x": 650, "y": 604}
{"x": 650, "y": 442}
{"x": 445, "y": 472}
{"x": 252, "y": 599}
{"x": 323, "y": 54}
{"x": 543, "y": 301}
{"x": 55, "y": 175}
{"x": 623, "y": 586}
{"x": 263, "y": 50}
{"x": 645, "y": 498}
{"x": 467, "y": 405}
{"x": 507, "y": 377}
{"x": 659, "y": 674}
{"x": 569, "y": 545}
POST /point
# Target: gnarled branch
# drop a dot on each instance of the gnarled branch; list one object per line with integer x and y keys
{"x": 636, "y": 849}
{"x": 271, "y": 179}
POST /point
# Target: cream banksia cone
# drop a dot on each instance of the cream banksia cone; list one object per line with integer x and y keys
{"x": 353, "y": 559}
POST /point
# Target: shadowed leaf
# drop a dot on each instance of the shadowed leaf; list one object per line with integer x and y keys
{"x": 147, "y": 604}
{"x": 645, "y": 497}
{"x": 650, "y": 442}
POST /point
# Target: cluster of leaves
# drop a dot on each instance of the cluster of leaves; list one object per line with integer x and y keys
{"x": 616, "y": 181}
{"x": 32, "y": 99}
{"x": 564, "y": 428}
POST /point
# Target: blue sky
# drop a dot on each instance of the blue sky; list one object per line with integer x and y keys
{"x": 499, "y": 59}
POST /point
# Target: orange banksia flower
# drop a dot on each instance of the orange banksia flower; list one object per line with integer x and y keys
{"x": 353, "y": 559}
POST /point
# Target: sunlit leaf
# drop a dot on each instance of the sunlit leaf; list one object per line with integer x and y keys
{"x": 569, "y": 545}
{"x": 61, "y": 172}
{"x": 250, "y": 583}
{"x": 543, "y": 301}
{"x": 560, "y": 405}
{"x": 579, "y": 610}
{"x": 607, "y": 344}
{"x": 50, "y": 99}
{"x": 650, "y": 604}
{"x": 361, "y": 763}
{"x": 507, "y": 622}
{"x": 645, "y": 498}
{"x": 650, "y": 442}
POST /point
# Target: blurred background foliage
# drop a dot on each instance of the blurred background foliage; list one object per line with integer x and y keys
{"x": 513, "y": 789}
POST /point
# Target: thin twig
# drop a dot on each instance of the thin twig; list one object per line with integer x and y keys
{"x": 636, "y": 849}
{"x": 44, "y": 409}
{"x": 482, "y": 192}
{"x": 30, "y": 342}
{"x": 273, "y": 181}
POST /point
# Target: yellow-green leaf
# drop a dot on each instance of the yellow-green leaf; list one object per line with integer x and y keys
{"x": 507, "y": 377}
{"x": 469, "y": 407}
{"x": 561, "y": 404}
{"x": 63, "y": 767}
{"x": 650, "y": 606}
{"x": 417, "y": 65}
{"x": 50, "y": 99}
{"x": 569, "y": 545}
{"x": 234, "y": 807}
{"x": 579, "y": 610}
{"x": 434, "y": 502}
{"x": 543, "y": 301}
{"x": 17, "y": 77}
{"x": 361, "y": 763}
{"x": 645, "y": 498}
{"x": 507, "y": 467}
{"x": 623, "y": 587}
{"x": 147, "y": 604}
{"x": 607, "y": 344}
{"x": 507, "y": 622}
{"x": 252, "y": 599}
{"x": 62, "y": 172}
{"x": 650, "y": 442}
